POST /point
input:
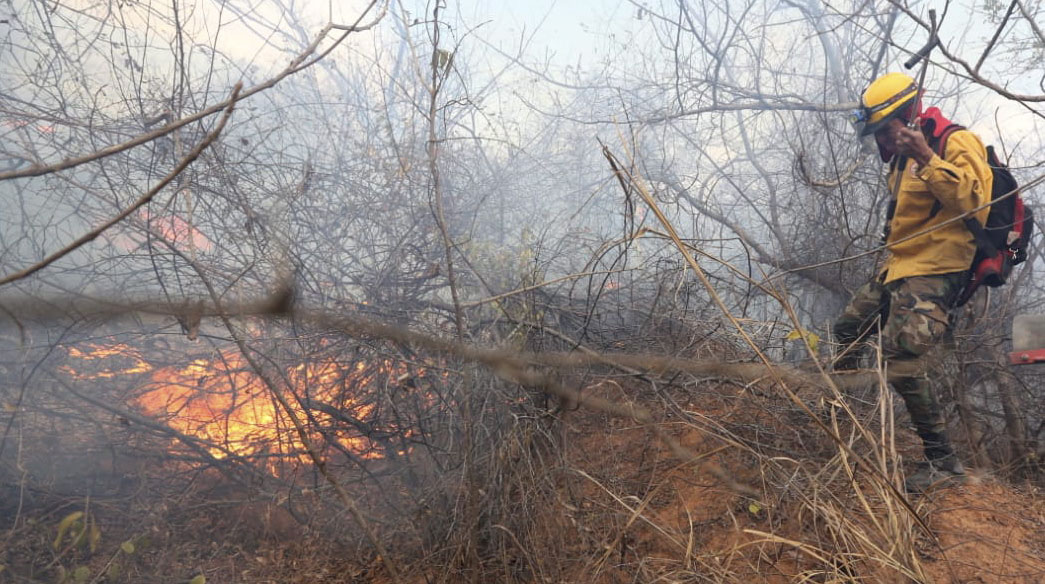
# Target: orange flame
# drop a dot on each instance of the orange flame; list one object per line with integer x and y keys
{"x": 95, "y": 352}
{"x": 230, "y": 408}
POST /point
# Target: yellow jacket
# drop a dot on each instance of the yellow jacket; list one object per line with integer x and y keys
{"x": 961, "y": 181}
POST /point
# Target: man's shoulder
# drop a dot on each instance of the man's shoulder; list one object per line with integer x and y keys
{"x": 964, "y": 139}
{"x": 965, "y": 133}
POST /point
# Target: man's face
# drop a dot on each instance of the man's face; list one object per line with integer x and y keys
{"x": 886, "y": 135}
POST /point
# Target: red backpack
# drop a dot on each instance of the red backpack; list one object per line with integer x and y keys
{"x": 1004, "y": 241}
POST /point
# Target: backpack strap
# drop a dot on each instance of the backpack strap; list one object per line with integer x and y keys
{"x": 938, "y": 141}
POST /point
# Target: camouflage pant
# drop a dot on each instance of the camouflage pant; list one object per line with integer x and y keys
{"x": 914, "y": 313}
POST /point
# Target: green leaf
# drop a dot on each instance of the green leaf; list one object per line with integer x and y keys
{"x": 754, "y": 508}
{"x": 127, "y": 547}
{"x": 94, "y": 536}
{"x": 201, "y": 579}
{"x": 812, "y": 338}
{"x": 66, "y": 525}
{"x": 81, "y": 574}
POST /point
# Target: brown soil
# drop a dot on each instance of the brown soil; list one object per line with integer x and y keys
{"x": 659, "y": 519}
{"x": 623, "y": 509}
{"x": 988, "y": 532}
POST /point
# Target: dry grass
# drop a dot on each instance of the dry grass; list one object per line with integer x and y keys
{"x": 565, "y": 494}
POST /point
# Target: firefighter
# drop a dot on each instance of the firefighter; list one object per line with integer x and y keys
{"x": 923, "y": 274}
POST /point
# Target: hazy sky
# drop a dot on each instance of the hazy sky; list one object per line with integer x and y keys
{"x": 561, "y": 36}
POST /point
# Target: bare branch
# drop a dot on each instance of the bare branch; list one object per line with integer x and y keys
{"x": 94, "y": 233}
{"x": 994, "y": 39}
{"x": 972, "y": 72}
{"x": 299, "y": 63}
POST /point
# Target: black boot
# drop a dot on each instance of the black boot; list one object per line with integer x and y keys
{"x": 940, "y": 467}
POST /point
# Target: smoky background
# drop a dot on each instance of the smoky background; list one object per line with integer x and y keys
{"x": 433, "y": 176}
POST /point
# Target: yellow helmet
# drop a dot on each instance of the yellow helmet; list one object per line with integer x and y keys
{"x": 886, "y": 98}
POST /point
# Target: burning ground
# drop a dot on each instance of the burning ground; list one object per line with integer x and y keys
{"x": 215, "y": 400}
{"x": 161, "y": 459}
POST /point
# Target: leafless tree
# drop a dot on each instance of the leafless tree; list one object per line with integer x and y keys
{"x": 406, "y": 169}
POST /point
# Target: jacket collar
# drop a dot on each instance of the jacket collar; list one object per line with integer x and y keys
{"x": 933, "y": 123}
